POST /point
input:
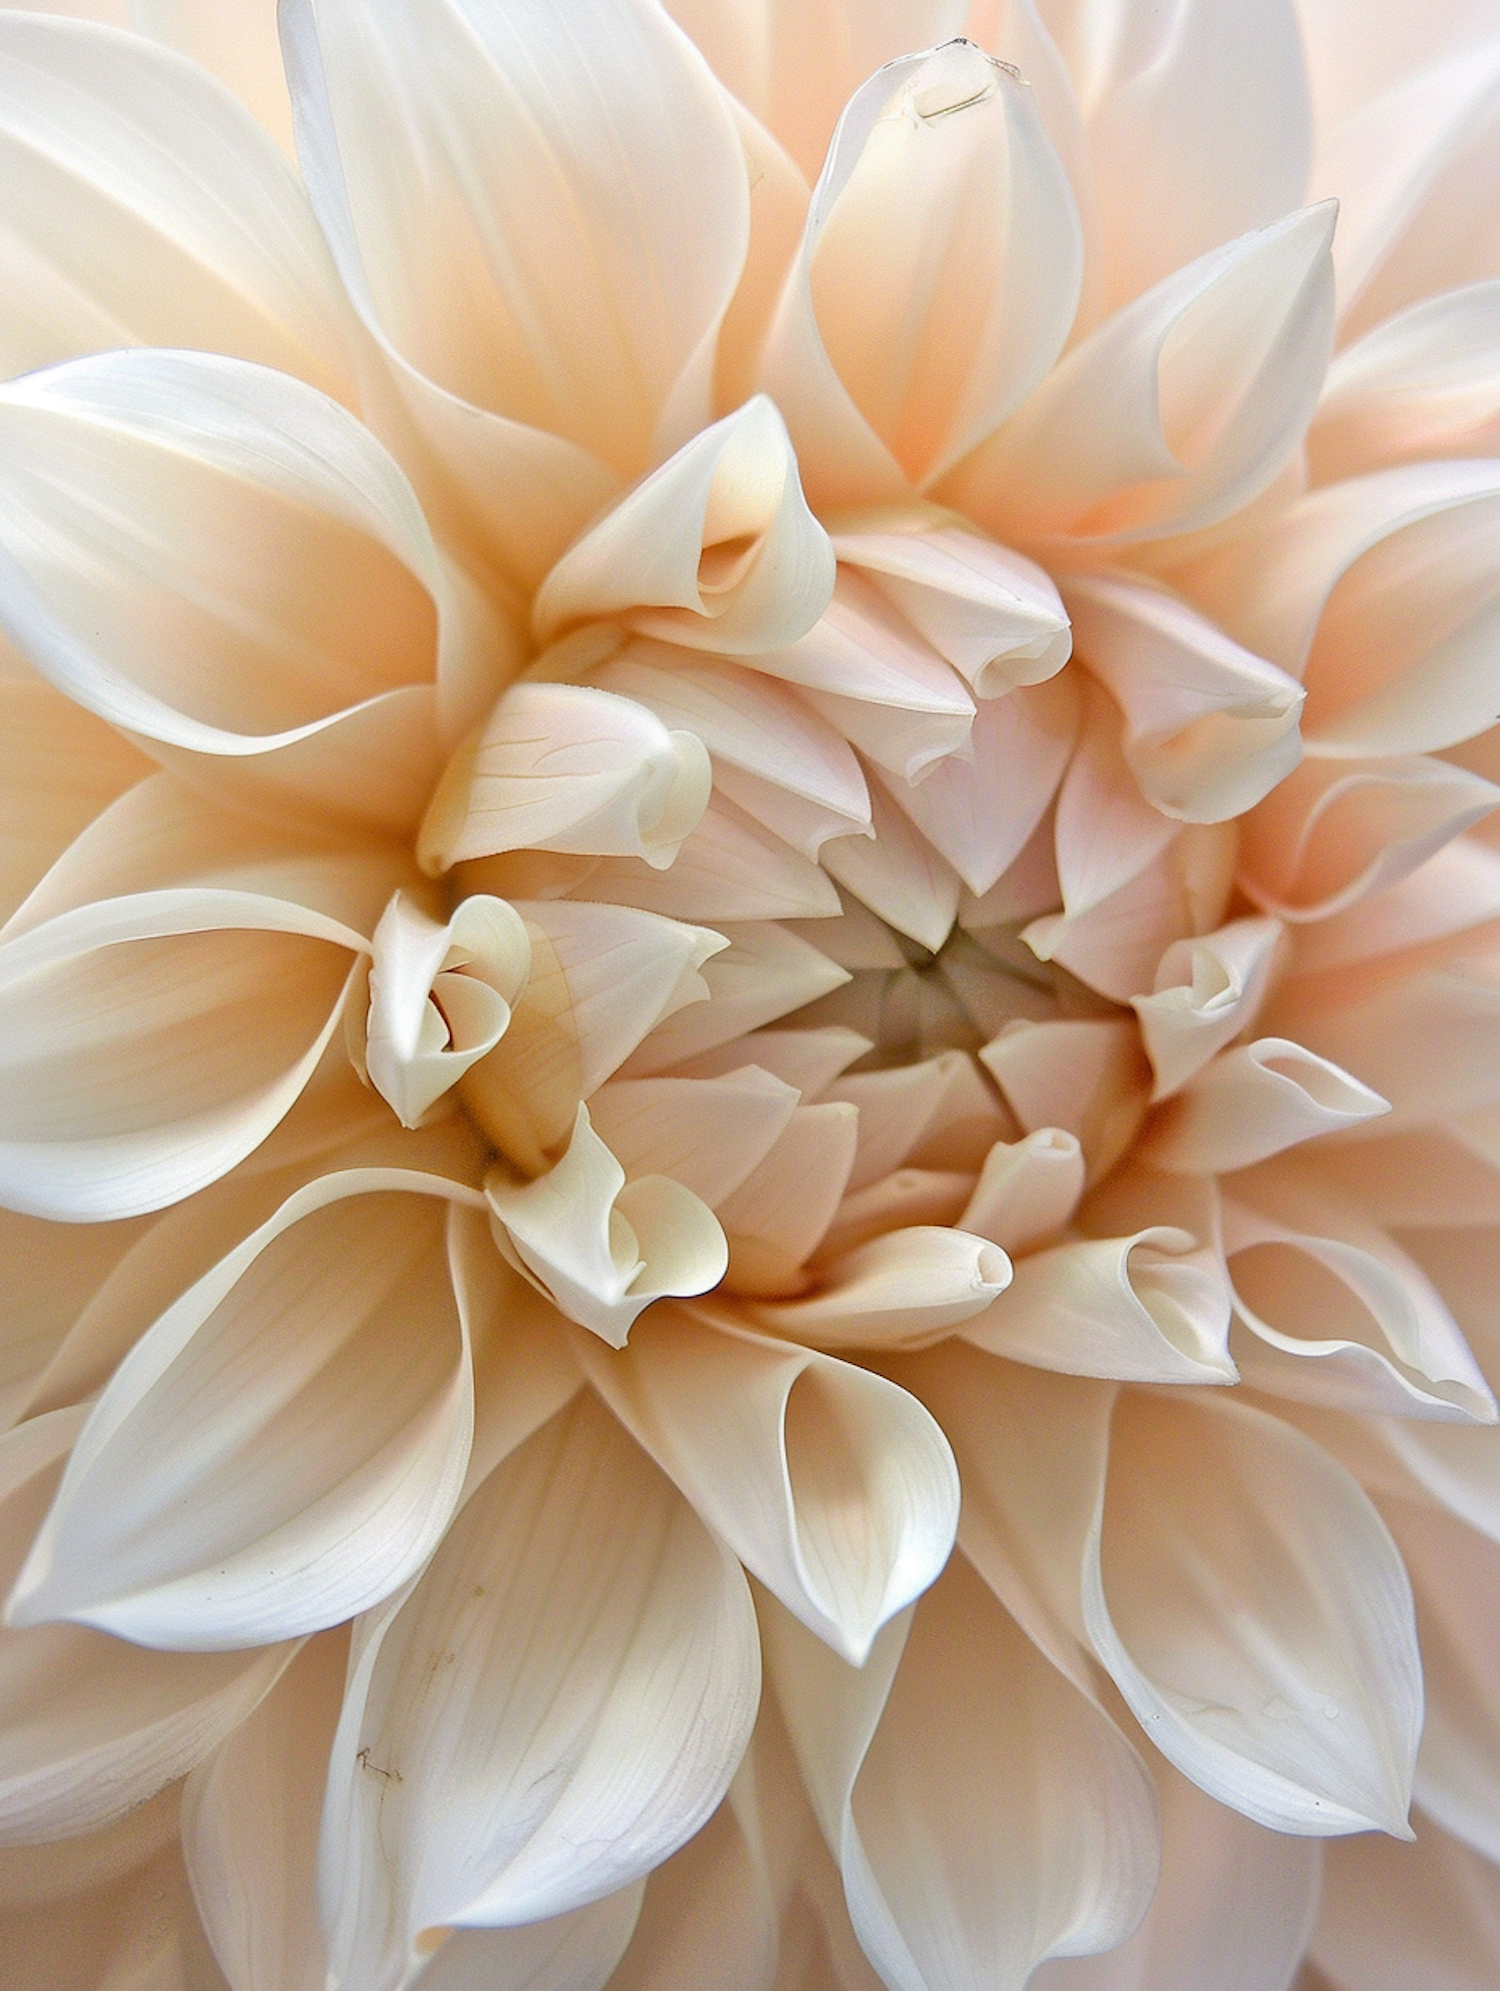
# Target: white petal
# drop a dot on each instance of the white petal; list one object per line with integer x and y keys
{"x": 864, "y": 649}
{"x": 1262, "y": 1631}
{"x": 1151, "y": 1307}
{"x": 832, "y": 1485}
{"x": 926, "y": 1791}
{"x": 600, "y": 1248}
{"x": 573, "y": 1952}
{"x": 939, "y": 1107}
{"x": 250, "y": 1828}
{"x": 94, "y": 1726}
{"x": 1086, "y": 1076}
{"x": 764, "y": 973}
{"x": 716, "y": 549}
{"x": 1107, "y": 831}
{"x": 706, "y": 1133}
{"x": 782, "y": 1210}
{"x": 143, "y": 207}
{"x": 1207, "y": 991}
{"x": 603, "y": 1686}
{"x": 1026, "y": 1189}
{"x": 1209, "y": 728}
{"x": 903, "y": 1290}
{"x": 285, "y": 1446}
{"x": 1249, "y": 1103}
{"x": 567, "y": 767}
{"x": 1176, "y": 411}
{"x": 897, "y": 874}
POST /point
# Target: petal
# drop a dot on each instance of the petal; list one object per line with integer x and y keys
{"x": 926, "y": 1791}
{"x": 94, "y": 1726}
{"x": 903, "y": 1290}
{"x": 602, "y": 1249}
{"x": 1393, "y": 1916}
{"x": 833, "y": 1486}
{"x": 1252, "y": 1102}
{"x": 573, "y": 1952}
{"x": 863, "y": 649}
{"x": 570, "y": 768}
{"x": 1107, "y": 831}
{"x": 716, "y": 549}
{"x": 1026, "y": 1189}
{"x": 1262, "y": 1631}
{"x": 706, "y": 1133}
{"x": 1209, "y": 728}
{"x": 143, "y": 207}
{"x": 1176, "y": 411}
{"x": 897, "y": 874}
{"x": 1086, "y": 1076}
{"x": 603, "y": 1687}
{"x": 1208, "y": 990}
{"x": 780, "y": 1213}
{"x": 285, "y": 1446}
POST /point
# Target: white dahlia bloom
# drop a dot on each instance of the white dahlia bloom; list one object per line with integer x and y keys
{"x": 750, "y": 1021}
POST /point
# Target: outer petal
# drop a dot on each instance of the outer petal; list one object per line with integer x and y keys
{"x": 832, "y": 1485}
{"x": 603, "y": 1687}
{"x": 286, "y": 1445}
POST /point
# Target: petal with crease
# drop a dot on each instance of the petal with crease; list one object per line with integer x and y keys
{"x": 1248, "y": 1104}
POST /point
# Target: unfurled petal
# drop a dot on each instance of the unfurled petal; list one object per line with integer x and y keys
{"x": 440, "y": 996}
{"x": 1207, "y": 992}
{"x": 1209, "y": 728}
{"x": 716, "y": 549}
{"x": 601, "y": 1248}
{"x": 832, "y": 1485}
{"x": 142, "y": 207}
{"x": 902, "y": 1290}
{"x": 893, "y": 350}
{"x": 1177, "y": 410}
{"x": 93, "y": 1726}
{"x": 567, "y": 767}
{"x": 925, "y": 1786}
{"x": 603, "y": 1685}
{"x": 1153, "y": 1307}
{"x": 1261, "y": 1631}
{"x": 1250, "y": 1103}
{"x": 285, "y": 1445}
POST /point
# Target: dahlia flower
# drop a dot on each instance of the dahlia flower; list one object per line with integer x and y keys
{"x": 750, "y": 1145}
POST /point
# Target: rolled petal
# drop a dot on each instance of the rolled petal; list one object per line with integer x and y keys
{"x": 1250, "y": 1103}
{"x": 903, "y": 1290}
{"x": 143, "y": 207}
{"x": 261, "y": 1466}
{"x": 716, "y": 549}
{"x": 569, "y": 768}
{"x": 1176, "y": 411}
{"x": 1026, "y": 1189}
{"x": 93, "y": 1726}
{"x": 833, "y": 1486}
{"x": 1207, "y": 992}
{"x": 1153, "y": 1307}
{"x": 250, "y": 1828}
{"x": 440, "y": 996}
{"x": 925, "y": 1785}
{"x": 175, "y": 579}
{"x": 1262, "y": 1631}
{"x": 602, "y": 1249}
{"x": 1209, "y": 728}
{"x": 994, "y": 615}
{"x": 603, "y": 1687}
{"x": 888, "y": 361}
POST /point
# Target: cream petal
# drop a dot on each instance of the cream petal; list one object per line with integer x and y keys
{"x": 583, "y": 209}
{"x": 1336, "y": 832}
{"x": 250, "y": 1828}
{"x": 1152, "y": 1307}
{"x": 239, "y": 44}
{"x": 925, "y": 1787}
{"x": 140, "y": 1931}
{"x": 833, "y": 1486}
{"x": 938, "y": 1107}
{"x": 1422, "y": 384}
{"x": 903, "y": 1290}
{"x": 905, "y": 1197}
{"x": 1107, "y": 832}
{"x": 567, "y": 767}
{"x": 601, "y": 978}
{"x": 440, "y": 996}
{"x": 980, "y": 813}
{"x": 1247, "y": 1104}
{"x": 716, "y": 549}
{"x": 1382, "y": 593}
{"x": 1448, "y": 893}
{"x": 53, "y": 1275}
{"x": 118, "y": 1017}
{"x": 603, "y": 1688}
{"x": 143, "y": 207}
{"x": 573, "y": 1952}
{"x": 865, "y": 651}
{"x": 1338, "y": 1314}
{"x": 1026, "y": 1190}
{"x": 792, "y": 820}
{"x": 942, "y": 203}
{"x": 780, "y": 1213}
{"x": 897, "y": 874}
{"x": 1196, "y": 115}
{"x": 1177, "y": 410}
{"x": 1207, "y": 992}
{"x": 993, "y": 614}
{"x": 176, "y": 579}
{"x": 263, "y": 1465}
{"x": 1209, "y": 728}
{"x": 807, "y": 1059}
{"x": 49, "y": 1871}
{"x": 1261, "y": 1632}
{"x": 764, "y": 973}
{"x": 752, "y": 724}
{"x": 1393, "y": 1916}
{"x": 706, "y": 1133}
{"x": 1085, "y": 1076}
{"x": 601, "y": 1248}
{"x": 94, "y": 1726}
